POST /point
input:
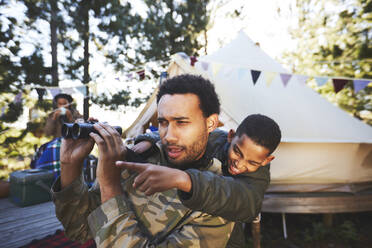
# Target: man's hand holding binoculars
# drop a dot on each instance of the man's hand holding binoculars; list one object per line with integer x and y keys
{"x": 78, "y": 142}
{"x": 111, "y": 149}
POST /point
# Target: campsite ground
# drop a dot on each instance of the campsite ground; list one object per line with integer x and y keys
{"x": 308, "y": 231}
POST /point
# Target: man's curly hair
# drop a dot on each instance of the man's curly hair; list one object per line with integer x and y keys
{"x": 187, "y": 83}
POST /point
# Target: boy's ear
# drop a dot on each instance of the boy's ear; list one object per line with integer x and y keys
{"x": 212, "y": 122}
{"x": 268, "y": 160}
{"x": 230, "y": 135}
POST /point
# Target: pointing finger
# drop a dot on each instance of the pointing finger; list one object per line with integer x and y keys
{"x": 137, "y": 167}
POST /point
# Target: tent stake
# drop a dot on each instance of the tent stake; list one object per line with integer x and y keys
{"x": 284, "y": 226}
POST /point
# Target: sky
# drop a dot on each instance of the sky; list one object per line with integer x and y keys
{"x": 260, "y": 20}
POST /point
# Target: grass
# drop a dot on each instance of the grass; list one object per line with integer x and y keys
{"x": 309, "y": 230}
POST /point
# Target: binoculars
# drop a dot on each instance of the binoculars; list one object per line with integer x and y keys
{"x": 81, "y": 130}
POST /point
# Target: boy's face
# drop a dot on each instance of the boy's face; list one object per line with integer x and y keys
{"x": 244, "y": 155}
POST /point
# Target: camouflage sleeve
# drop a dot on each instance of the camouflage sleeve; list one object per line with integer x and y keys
{"x": 73, "y": 204}
{"x": 152, "y": 137}
{"x": 113, "y": 224}
{"x": 236, "y": 198}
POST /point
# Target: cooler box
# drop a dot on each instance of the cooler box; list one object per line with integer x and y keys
{"x": 29, "y": 187}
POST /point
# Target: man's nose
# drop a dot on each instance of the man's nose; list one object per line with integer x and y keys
{"x": 170, "y": 135}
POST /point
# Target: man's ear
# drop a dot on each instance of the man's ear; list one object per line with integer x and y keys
{"x": 268, "y": 160}
{"x": 212, "y": 122}
{"x": 230, "y": 135}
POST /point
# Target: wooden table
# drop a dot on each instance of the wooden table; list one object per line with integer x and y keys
{"x": 19, "y": 226}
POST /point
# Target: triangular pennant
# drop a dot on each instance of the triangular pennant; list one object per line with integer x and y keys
{"x": 183, "y": 55}
{"x": 163, "y": 76}
{"x": 68, "y": 91}
{"x": 141, "y": 74}
{"x": 320, "y": 81}
{"x": 2, "y": 111}
{"x": 269, "y": 77}
{"x": 40, "y": 93}
{"x": 193, "y": 59}
{"x": 216, "y": 67}
{"x": 285, "y": 78}
{"x": 255, "y": 76}
{"x": 54, "y": 91}
{"x": 129, "y": 76}
{"x": 82, "y": 90}
{"x": 18, "y": 98}
{"x": 301, "y": 79}
{"x": 204, "y": 65}
{"x": 360, "y": 84}
{"x": 338, "y": 84}
{"x": 94, "y": 89}
{"x": 242, "y": 72}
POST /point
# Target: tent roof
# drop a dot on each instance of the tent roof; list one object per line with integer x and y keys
{"x": 302, "y": 114}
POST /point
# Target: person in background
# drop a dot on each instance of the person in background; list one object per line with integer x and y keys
{"x": 63, "y": 111}
{"x": 47, "y": 156}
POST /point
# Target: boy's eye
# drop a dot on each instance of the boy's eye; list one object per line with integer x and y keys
{"x": 236, "y": 151}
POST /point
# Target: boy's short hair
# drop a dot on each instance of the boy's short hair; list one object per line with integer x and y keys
{"x": 187, "y": 83}
{"x": 262, "y": 130}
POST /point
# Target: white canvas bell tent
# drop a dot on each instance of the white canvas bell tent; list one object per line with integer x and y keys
{"x": 323, "y": 148}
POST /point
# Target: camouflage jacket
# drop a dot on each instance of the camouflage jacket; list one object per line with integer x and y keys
{"x": 136, "y": 220}
{"x": 235, "y": 198}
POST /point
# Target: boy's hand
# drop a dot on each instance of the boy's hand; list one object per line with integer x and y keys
{"x": 155, "y": 178}
{"x": 141, "y": 147}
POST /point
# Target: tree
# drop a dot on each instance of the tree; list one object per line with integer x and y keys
{"x": 111, "y": 30}
{"x": 334, "y": 39}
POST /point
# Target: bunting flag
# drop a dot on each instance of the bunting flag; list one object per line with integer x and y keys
{"x": 40, "y": 93}
{"x": 360, "y": 85}
{"x": 18, "y": 98}
{"x": 216, "y": 67}
{"x": 338, "y": 84}
{"x": 94, "y": 89}
{"x": 55, "y": 91}
{"x": 285, "y": 78}
{"x": 69, "y": 90}
{"x": 301, "y": 79}
{"x": 163, "y": 76}
{"x": 242, "y": 73}
{"x": 255, "y": 76}
{"x": 269, "y": 77}
{"x": 141, "y": 74}
{"x": 82, "y": 90}
{"x": 320, "y": 81}
{"x": 193, "y": 59}
{"x": 183, "y": 55}
{"x": 2, "y": 111}
{"x": 204, "y": 65}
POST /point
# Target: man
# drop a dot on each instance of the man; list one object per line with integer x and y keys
{"x": 119, "y": 215}
{"x": 243, "y": 153}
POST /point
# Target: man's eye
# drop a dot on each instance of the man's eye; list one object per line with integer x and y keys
{"x": 182, "y": 122}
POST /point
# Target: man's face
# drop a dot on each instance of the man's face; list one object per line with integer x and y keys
{"x": 183, "y": 129}
{"x": 246, "y": 156}
{"x": 62, "y": 102}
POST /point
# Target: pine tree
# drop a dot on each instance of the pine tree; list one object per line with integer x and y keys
{"x": 334, "y": 39}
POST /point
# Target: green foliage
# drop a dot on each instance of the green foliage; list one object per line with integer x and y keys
{"x": 334, "y": 39}
{"x": 112, "y": 30}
